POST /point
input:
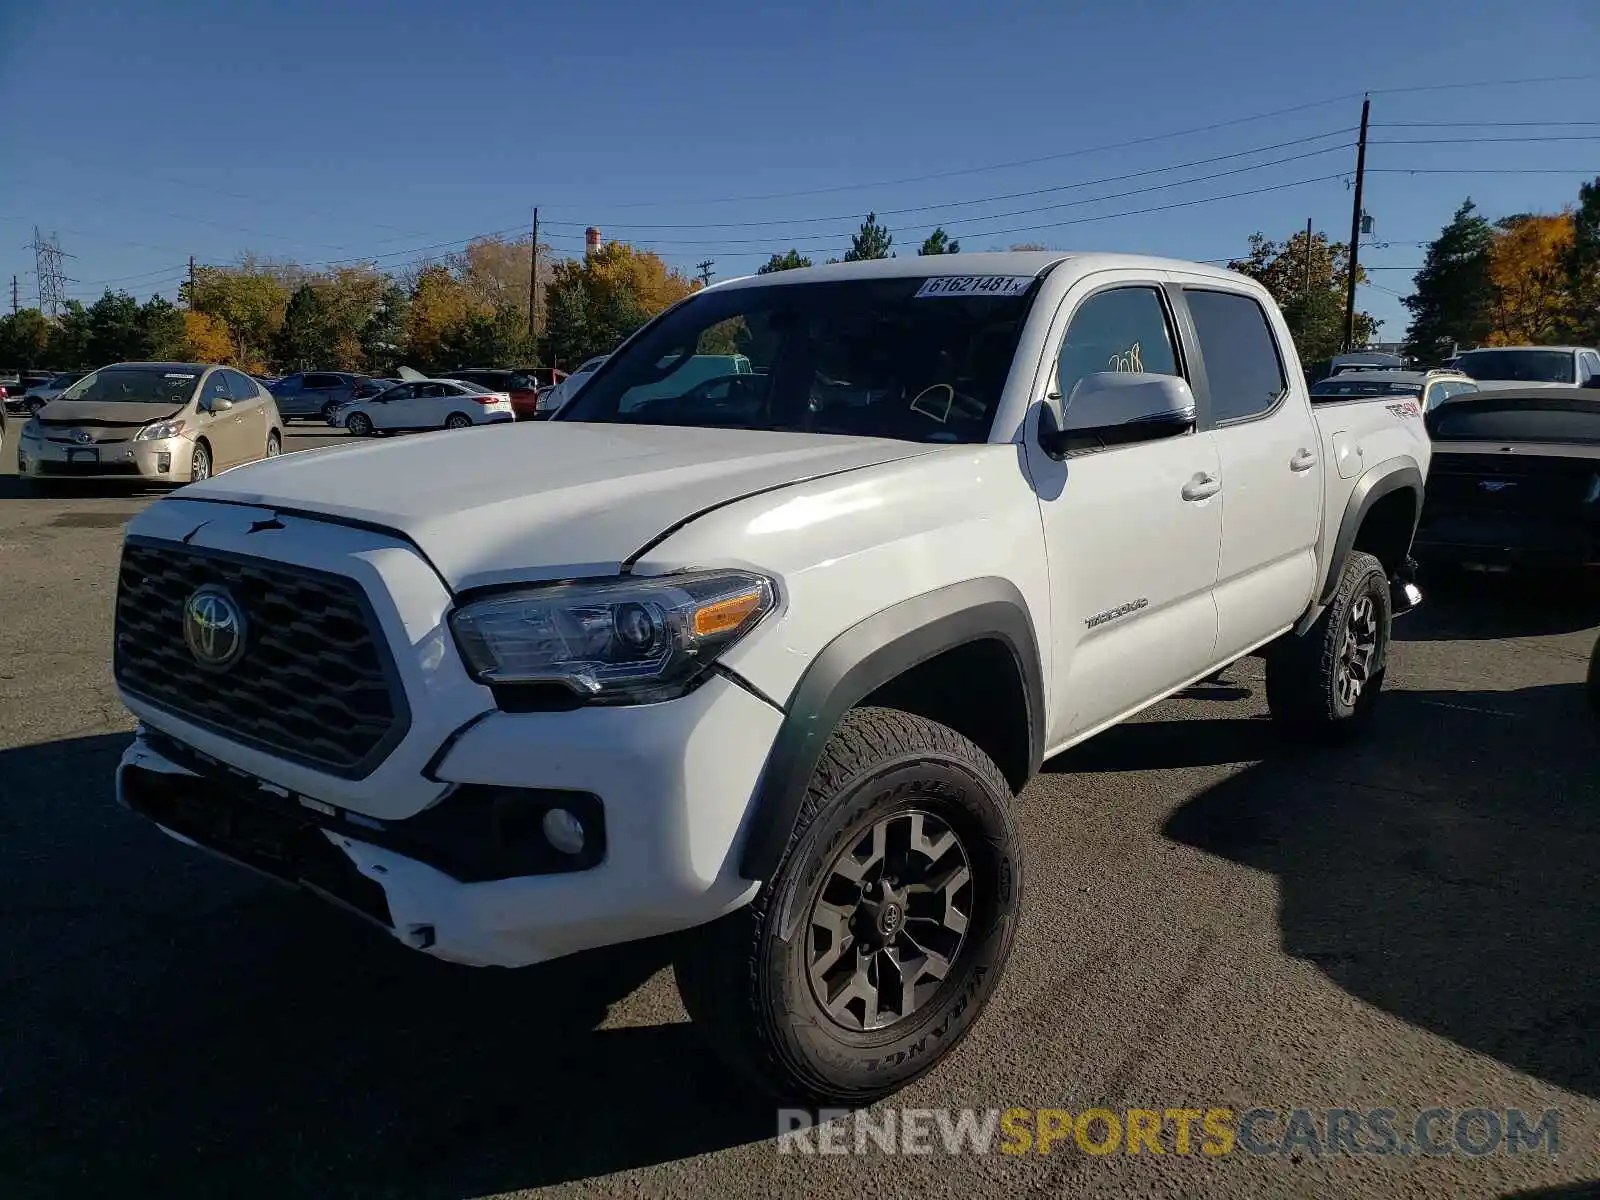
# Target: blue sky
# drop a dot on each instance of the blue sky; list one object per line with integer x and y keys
{"x": 147, "y": 132}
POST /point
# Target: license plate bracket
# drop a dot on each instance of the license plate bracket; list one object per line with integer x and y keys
{"x": 77, "y": 455}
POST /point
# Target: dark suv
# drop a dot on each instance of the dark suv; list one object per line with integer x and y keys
{"x": 521, "y": 386}
{"x": 314, "y": 394}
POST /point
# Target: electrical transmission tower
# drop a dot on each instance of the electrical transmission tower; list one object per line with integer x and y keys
{"x": 48, "y": 269}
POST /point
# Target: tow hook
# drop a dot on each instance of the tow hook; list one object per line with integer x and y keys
{"x": 1404, "y": 594}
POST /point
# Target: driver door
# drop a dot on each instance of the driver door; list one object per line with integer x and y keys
{"x": 387, "y": 411}
{"x": 222, "y": 427}
{"x": 1132, "y": 531}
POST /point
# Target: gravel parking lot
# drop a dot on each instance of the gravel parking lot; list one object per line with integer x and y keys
{"x": 1214, "y": 920}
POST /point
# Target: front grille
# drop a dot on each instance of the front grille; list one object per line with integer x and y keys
{"x": 315, "y": 683}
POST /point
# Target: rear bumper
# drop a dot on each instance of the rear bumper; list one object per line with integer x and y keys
{"x": 1497, "y": 540}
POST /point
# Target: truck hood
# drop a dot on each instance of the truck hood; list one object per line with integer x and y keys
{"x": 540, "y": 501}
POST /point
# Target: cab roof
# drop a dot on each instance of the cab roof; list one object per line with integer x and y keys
{"x": 1004, "y": 262}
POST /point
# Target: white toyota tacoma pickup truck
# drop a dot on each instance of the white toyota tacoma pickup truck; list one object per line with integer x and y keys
{"x": 767, "y": 661}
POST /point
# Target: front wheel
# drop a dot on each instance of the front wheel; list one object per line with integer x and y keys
{"x": 359, "y": 424}
{"x": 1323, "y": 684}
{"x": 274, "y": 444}
{"x": 200, "y": 463}
{"x": 883, "y": 933}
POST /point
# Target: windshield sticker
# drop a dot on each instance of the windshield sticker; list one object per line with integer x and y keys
{"x": 935, "y": 402}
{"x": 177, "y": 375}
{"x": 974, "y": 285}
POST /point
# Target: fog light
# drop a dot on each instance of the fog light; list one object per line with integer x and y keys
{"x": 163, "y": 463}
{"x": 563, "y": 831}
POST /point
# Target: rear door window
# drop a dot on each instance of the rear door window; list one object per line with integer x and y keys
{"x": 239, "y": 387}
{"x": 1244, "y": 372}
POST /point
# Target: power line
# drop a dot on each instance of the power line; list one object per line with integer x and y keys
{"x": 1022, "y": 162}
{"x": 1483, "y": 171}
{"x": 1484, "y": 124}
{"x": 1062, "y": 187}
{"x": 1483, "y": 84}
{"x": 1482, "y": 141}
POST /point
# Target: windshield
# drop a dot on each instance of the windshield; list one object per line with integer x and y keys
{"x": 135, "y": 385}
{"x": 1366, "y": 387}
{"x": 871, "y": 358}
{"x": 1523, "y": 366}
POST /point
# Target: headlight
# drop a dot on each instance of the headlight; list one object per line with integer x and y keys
{"x": 159, "y": 432}
{"x": 631, "y": 640}
{"x": 31, "y": 430}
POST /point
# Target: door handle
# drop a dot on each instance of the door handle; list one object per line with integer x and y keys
{"x": 1202, "y": 487}
{"x": 1303, "y": 460}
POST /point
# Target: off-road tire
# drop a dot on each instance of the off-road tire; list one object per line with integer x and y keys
{"x": 745, "y": 979}
{"x": 1304, "y": 672}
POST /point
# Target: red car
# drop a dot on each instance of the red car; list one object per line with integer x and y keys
{"x": 521, "y": 386}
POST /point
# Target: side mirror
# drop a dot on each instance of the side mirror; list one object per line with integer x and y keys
{"x": 216, "y": 404}
{"x": 1113, "y": 408}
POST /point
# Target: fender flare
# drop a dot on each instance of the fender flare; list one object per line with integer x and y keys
{"x": 1378, "y": 481}
{"x": 863, "y": 658}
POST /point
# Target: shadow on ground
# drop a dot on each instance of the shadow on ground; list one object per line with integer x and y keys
{"x": 175, "y": 1026}
{"x": 1473, "y": 606}
{"x": 1442, "y": 869}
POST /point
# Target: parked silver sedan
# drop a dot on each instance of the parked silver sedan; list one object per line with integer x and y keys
{"x": 151, "y": 422}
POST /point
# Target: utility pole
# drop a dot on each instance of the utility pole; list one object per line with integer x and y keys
{"x": 14, "y": 304}
{"x": 191, "y": 281}
{"x": 1355, "y": 230}
{"x": 705, "y": 271}
{"x": 533, "y": 280}
{"x": 1306, "y": 288}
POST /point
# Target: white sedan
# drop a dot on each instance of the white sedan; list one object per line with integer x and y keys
{"x": 426, "y": 404}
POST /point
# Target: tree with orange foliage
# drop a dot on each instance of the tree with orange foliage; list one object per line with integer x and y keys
{"x": 596, "y": 302}
{"x": 209, "y": 339}
{"x": 440, "y": 304}
{"x": 1526, "y": 265}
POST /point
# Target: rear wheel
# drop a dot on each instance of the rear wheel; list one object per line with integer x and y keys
{"x": 870, "y": 953}
{"x": 1324, "y": 683}
{"x": 200, "y": 463}
{"x": 457, "y": 421}
{"x": 327, "y": 410}
{"x": 359, "y": 424}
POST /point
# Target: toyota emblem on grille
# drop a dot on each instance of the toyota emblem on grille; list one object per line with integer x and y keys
{"x": 214, "y": 628}
{"x": 81, "y": 436}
